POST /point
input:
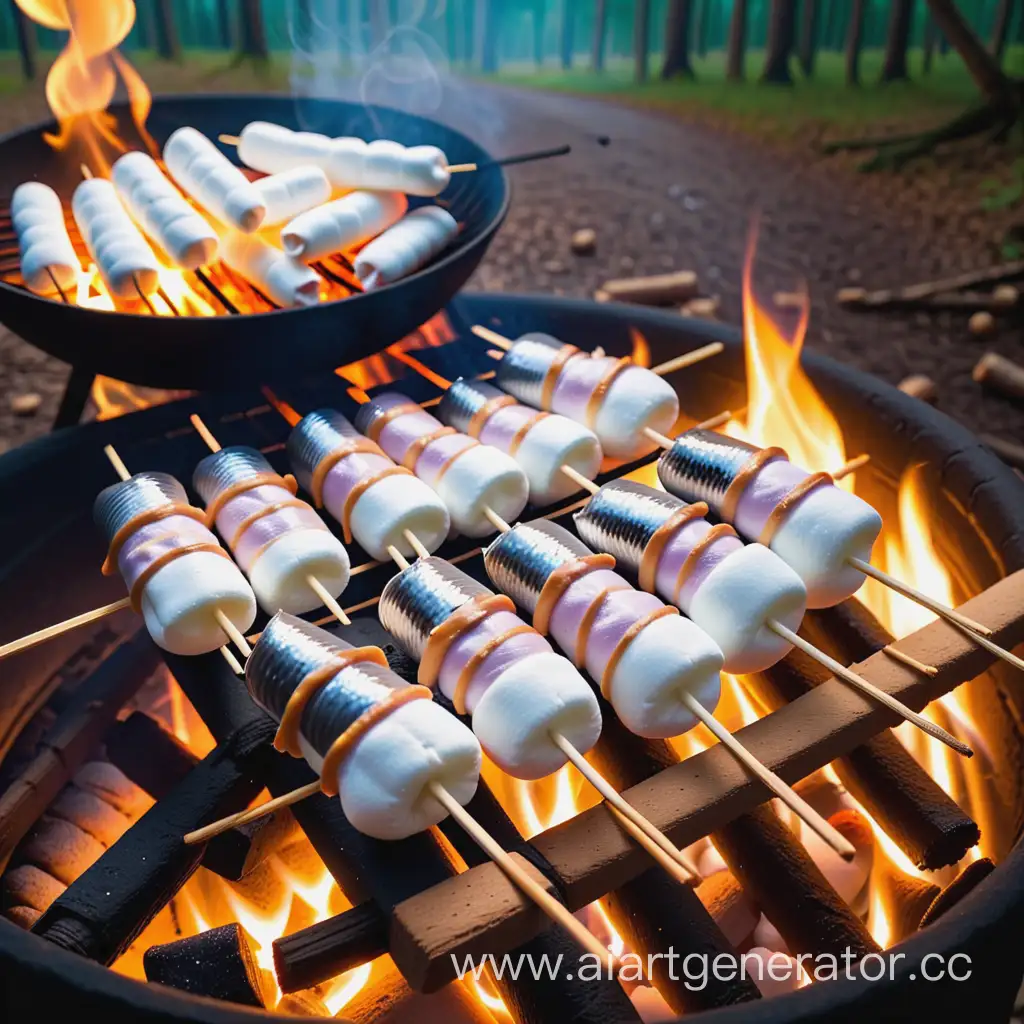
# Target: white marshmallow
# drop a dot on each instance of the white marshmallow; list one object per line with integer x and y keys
{"x": 410, "y": 244}
{"x": 207, "y": 175}
{"x": 280, "y": 573}
{"x": 394, "y": 504}
{"x": 383, "y": 782}
{"x": 383, "y": 164}
{"x": 668, "y": 657}
{"x": 162, "y": 212}
{"x": 180, "y": 601}
{"x": 553, "y": 442}
{"x": 773, "y": 973}
{"x": 43, "y": 241}
{"x": 635, "y": 399}
{"x": 532, "y": 698}
{"x": 825, "y": 528}
{"x": 342, "y": 224}
{"x": 483, "y": 477}
{"x": 289, "y": 193}
{"x": 123, "y": 256}
{"x": 745, "y": 589}
{"x": 285, "y": 281}
{"x": 272, "y": 148}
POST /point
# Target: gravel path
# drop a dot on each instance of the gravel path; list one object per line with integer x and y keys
{"x": 664, "y": 195}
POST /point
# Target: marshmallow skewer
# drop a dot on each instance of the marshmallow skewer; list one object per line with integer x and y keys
{"x": 47, "y": 257}
{"x": 769, "y": 499}
{"x": 233, "y": 633}
{"x": 289, "y": 521}
{"x": 559, "y": 579}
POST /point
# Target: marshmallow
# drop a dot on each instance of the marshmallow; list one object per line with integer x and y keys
{"x": 824, "y": 529}
{"x": 125, "y": 260}
{"x": 285, "y": 281}
{"x": 383, "y": 513}
{"x": 342, "y": 224}
{"x": 410, "y": 244}
{"x": 272, "y": 148}
{"x": 289, "y": 193}
{"x": 280, "y": 575}
{"x": 637, "y": 399}
{"x": 482, "y": 478}
{"x": 43, "y": 241}
{"x": 162, "y": 212}
{"x": 207, "y": 175}
{"x": 553, "y": 442}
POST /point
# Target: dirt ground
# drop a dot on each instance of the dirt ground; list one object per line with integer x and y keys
{"x": 668, "y": 193}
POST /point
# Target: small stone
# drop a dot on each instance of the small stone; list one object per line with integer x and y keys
{"x": 676, "y": 191}
{"x": 981, "y": 323}
{"x": 584, "y": 241}
{"x": 853, "y": 274}
{"x": 1005, "y": 296}
{"x": 848, "y": 296}
{"x": 26, "y": 404}
{"x": 703, "y": 309}
{"x": 554, "y": 267}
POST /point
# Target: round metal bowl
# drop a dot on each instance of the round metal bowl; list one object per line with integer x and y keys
{"x": 222, "y": 352}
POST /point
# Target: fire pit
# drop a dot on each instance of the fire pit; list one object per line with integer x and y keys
{"x": 954, "y": 525}
{"x": 210, "y": 328}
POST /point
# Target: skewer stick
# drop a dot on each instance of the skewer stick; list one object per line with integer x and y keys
{"x": 233, "y": 663}
{"x": 117, "y": 462}
{"x": 496, "y": 521}
{"x": 851, "y": 466}
{"x": 785, "y": 793}
{"x": 578, "y": 478}
{"x": 40, "y": 636}
{"x": 201, "y": 835}
{"x": 315, "y": 585}
{"x": 233, "y": 633}
{"x": 416, "y": 544}
{"x": 711, "y": 423}
{"x": 859, "y": 682}
{"x": 399, "y": 559}
{"x": 518, "y": 876}
{"x": 649, "y": 833}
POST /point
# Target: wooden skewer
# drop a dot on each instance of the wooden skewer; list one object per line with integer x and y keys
{"x": 416, "y": 544}
{"x": 851, "y": 466}
{"x": 329, "y": 602}
{"x": 49, "y": 632}
{"x": 233, "y": 663}
{"x": 784, "y": 792}
{"x": 536, "y": 892}
{"x": 399, "y": 559}
{"x": 578, "y": 478}
{"x": 499, "y": 524}
{"x": 666, "y": 442}
{"x": 853, "y": 679}
{"x": 201, "y": 835}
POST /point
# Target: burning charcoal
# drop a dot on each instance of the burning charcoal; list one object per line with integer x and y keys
{"x": 61, "y": 849}
{"x": 733, "y": 911}
{"x": 23, "y": 917}
{"x": 218, "y": 963}
{"x": 113, "y": 787}
{"x": 30, "y": 886}
{"x": 302, "y": 1004}
{"x": 905, "y": 898}
{"x": 91, "y": 814}
{"x": 973, "y": 875}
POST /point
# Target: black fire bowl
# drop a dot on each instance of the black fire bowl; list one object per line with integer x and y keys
{"x": 197, "y": 353}
{"x": 49, "y": 570}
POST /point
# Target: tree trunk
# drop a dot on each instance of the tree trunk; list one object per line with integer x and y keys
{"x": 1001, "y": 29}
{"x": 779, "y": 48}
{"x": 854, "y": 38}
{"x": 537, "y": 16}
{"x": 702, "y": 28}
{"x": 600, "y": 27}
{"x": 808, "y": 36}
{"x": 901, "y": 17}
{"x": 734, "y": 67}
{"x": 28, "y": 42}
{"x": 168, "y": 42}
{"x": 677, "y": 40}
{"x": 253, "y": 31}
{"x": 982, "y": 66}
{"x": 928, "y": 45}
{"x": 486, "y": 35}
{"x": 641, "y": 34}
{"x": 828, "y": 24}
{"x": 565, "y": 47}
{"x": 226, "y": 24}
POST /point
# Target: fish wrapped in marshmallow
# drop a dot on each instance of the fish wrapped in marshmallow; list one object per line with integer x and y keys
{"x": 812, "y": 525}
{"x": 613, "y": 397}
{"x": 210, "y": 178}
{"x": 48, "y": 259}
{"x": 125, "y": 260}
{"x": 405, "y": 247}
{"x": 542, "y": 443}
{"x": 278, "y": 540}
{"x": 470, "y": 477}
{"x": 377, "y": 502}
{"x": 377, "y": 741}
{"x": 640, "y": 651}
{"x": 730, "y": 589}
{"x": 163, "y": 212}
{"x": 350, "y": 163}
{"x": 341, "y": 224}
{"x": 470, "y": 643}
{"x": 177, "y": 573}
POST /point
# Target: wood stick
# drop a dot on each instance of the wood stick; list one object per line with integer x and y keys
{"x": 40, "y": 636}
{"x": 207, "y": 832}
{"x": 460, "y": 168}
{"x": 492, "y": 336}
{"x": 399, "y": 559}
{"x": 657, "y": 290}
{"x": 233, "y": 633}
{"x": 1000, "y": 374}
{"x": 644, "y": 832}
{"x": 416, "y": 544}
{"x": 851, "y": 466}
{"x": 229, "y": 140}
{"x": 519, "y": 876}
{"x": 480, "y": 911}
{"x": 851, "y": 677}
{"x": 205, "y": 433}
{"x": 117, "y": 462}
{"x": 784, "y": 792}
{"x": 73, "y": 737}
{"x": 911, "y": 293}
{"x": 688, "y": 359}
{"x": 577, "y": 477}
{"x": 778, "y": 873}
{"x": 499, "y": 524}
{"x": 1012, "y": 454}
